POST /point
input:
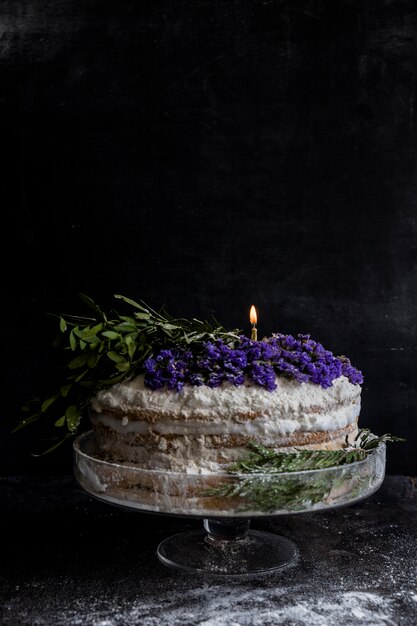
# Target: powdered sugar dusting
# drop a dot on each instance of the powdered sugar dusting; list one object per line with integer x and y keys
{"x": 227, "y": 605}
{"x": 340, "y": 608}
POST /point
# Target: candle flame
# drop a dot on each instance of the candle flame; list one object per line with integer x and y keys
{"x": 253, "y": 315}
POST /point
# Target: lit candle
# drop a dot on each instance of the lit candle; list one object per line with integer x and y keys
{"x": 253, "y": 319}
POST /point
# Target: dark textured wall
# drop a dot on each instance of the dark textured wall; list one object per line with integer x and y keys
{"x": 209, "y": 155}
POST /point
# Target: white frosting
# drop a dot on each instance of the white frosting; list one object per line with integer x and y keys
{"x": 261, "y": 426}
{"x": 293, "y": 406}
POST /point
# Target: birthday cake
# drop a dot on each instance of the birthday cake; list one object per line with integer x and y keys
{"x": 196, "y": 412}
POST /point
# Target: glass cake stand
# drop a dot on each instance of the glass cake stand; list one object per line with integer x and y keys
{"x": 226, "y": 503}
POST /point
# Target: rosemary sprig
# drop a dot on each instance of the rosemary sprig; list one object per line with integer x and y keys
{"x": 103, "y": 349}
{"x": 252, "y": 487}
{"x": 266, "y": 495}
{"x": 265, "y": 461}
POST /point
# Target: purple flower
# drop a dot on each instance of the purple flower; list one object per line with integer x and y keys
{"x": 263, "y": 375}
{"x": 299, "y": 358}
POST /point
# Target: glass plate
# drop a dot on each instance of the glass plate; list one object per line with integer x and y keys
{"x": 185, "y": 494}
{"x": 226, "y": 546}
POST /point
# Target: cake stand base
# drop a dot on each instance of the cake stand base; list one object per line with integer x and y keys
{"x": 227, "y": 548}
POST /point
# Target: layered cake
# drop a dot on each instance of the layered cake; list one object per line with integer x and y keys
{"x": 195, "y": 412}
{"x": 191, "y": 418}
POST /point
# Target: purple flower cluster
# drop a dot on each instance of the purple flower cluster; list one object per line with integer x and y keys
{"x": 299, "y": 358}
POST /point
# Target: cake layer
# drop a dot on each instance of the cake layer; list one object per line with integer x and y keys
{"x": 291, "y": 400}
{"x": 205, "y": 453}
{"x": 275, "y": 425}
{"x": 200, "y": 428}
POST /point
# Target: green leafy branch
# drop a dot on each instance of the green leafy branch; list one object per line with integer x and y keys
{"x": 265, "y": 461}
{"x": 103, "y": 349}
{"x": 251, "y": 489}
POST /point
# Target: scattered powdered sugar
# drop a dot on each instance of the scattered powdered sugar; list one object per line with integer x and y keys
{"x": 225, "y": 605}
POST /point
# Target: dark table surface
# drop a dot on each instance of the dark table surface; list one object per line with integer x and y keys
{"x": 68, "y": 559}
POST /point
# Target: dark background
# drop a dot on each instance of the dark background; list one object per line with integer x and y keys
{"x": 208, "y": 155}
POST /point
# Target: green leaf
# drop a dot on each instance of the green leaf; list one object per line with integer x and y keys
{"x": 78, "y": 332}
{"x": 60, "y": 422}
{"x": 72, "y": 339}
{"x": 123, "y": 367}
{"x": 65, "y": 389}
{"x": 92, "y": 305}
{"x": 72, "y": 417}
{"x": 27, "y": 421}
{"x": 79, "y": 361}
{"x": 110, "y": 334}
{"x": 131, "y": 347}
{"x": 47, "y": 403}
{"x": 92, "y": 331}
{"x": 114, "y": 356}
{"x": 80, "y": 376}
{"x": 131, "y": 302}
{"x": 126, "y": 327}
{"x": 92, "y": 360}
{"x": 142, "y": 316}
{"x": 62, "y": 325}
{"x": 169, "y": 327}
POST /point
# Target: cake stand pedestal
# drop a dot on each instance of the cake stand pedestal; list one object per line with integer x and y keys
{"x": 226, "y": 546}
